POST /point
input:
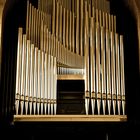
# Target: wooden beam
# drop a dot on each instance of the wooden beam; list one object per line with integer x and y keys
{"x": 70, "y": 118}
{"x": 70, "y": 77}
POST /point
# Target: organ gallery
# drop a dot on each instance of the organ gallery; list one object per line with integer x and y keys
{"x": 75, "y": 38}
{"x": 65, "y": 61}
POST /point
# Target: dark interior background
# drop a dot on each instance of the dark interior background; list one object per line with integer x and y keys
{"x": 13, "y": 18}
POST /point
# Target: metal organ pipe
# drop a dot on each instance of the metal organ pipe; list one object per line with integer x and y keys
{"x": 73, "y": 38}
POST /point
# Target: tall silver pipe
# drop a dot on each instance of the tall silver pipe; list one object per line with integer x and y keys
{"x": 122, "y": 73}
{"x": 108, "y": 69}
{"x": 39, "y": 82}
{"x": 113, "y": 77}
{"x": 46, "y": 83}
{"x": 103, "y": 69}
{"x": 118, "y": 72}
{"x": 87, "y": 90}
{"x": 35, "y": 79}
{"x": 98, "y": 69}
{"x": 49, "y": 82}
{"x": 23, "y": 72}
{"x": 42, "y": 81}
{"x": 31, "y": 77}
{"x": 92, "y": 66}
{"x": 27, "y": 77}
{"x": 18, "y": 69}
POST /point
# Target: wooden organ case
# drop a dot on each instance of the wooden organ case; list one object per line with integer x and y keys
{"x": 67, "y": 63}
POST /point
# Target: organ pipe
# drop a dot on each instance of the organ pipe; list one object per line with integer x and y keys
{"x": 73, "y": 38}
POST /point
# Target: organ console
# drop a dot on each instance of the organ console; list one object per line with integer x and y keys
{"x": 70, "y": 39}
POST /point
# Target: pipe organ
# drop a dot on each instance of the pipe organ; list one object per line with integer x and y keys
{"x": 75, "y": 38}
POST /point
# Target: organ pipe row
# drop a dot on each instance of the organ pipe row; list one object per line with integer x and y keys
{"x": 74, "y": 37}
{"x": 36, "y": 79}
